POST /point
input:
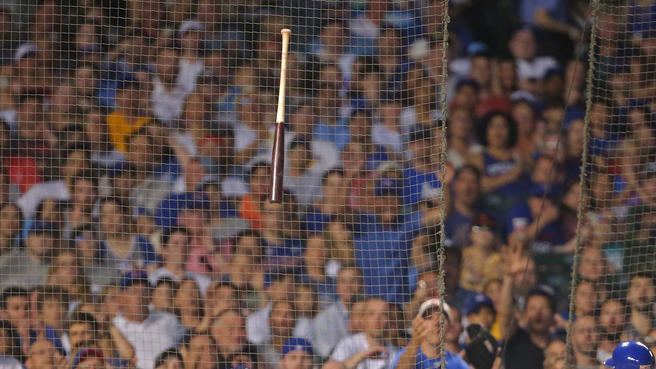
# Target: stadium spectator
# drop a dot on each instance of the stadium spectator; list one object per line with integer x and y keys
{"x": 611, "y": 325}
{"x": 481, "y": 311}
{"x": 332, "y": 323}
{"x": 28, "y": 266}
{"x": 150, "y": 333}
{"x": 640, "y": 300}
{"x": 229, "y": 333}
{"x": 11, "y": 352}
{"x": 424, "y": 350}
{"x": 42, "y": 354}
{"x": 296, "y": 354}
{"x": 465, "y": 190}
{"x": 584, "y": 342}
{"x": 14, "y": 305}
{"x": 366, "y": 349}
{"x": 481, "y": 259}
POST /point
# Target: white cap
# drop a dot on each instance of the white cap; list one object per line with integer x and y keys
{"x": 24, "y": 49}
{"x": 438, "y": 303}
{"x": 189, "y": 25}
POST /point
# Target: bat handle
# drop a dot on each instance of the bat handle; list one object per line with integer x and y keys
{"x": 277, "y": 164}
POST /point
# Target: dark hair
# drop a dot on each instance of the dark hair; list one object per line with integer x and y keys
{"x": 166, "y": 355}
{"x": 48, "y": 293}
{"x": 86, "y": 176}
{"x": 12, "y": 291}
{"x": 330, "y": 172}
{"x": 537, "y": 291}
{"x": 511, "y": 126}
{"x": 13, "y": 341}
{"x": 467, "y": 168}
{"x": 82, "y": 317}
{"x": 166, "y": 236}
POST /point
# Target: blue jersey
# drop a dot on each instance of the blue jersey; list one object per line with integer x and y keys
{"x": 453, "y": 361}
{"x": 382, "y": 253}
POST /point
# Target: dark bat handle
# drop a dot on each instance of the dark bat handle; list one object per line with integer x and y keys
{"x": 277, "y": 164}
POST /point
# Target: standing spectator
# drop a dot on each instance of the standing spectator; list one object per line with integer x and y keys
{"x": 549, "y": 18}
{"x": 465, "y": 189}
{"x": 130, "y": 115}
{"x": 385, "y": 267}
{"x": 366, "y": 350}
{"x": 423, "y": 350}
{"x": 149, "y": 332}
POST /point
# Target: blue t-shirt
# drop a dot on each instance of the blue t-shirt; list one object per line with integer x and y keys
{"x": 549, "y": 236}
{"x": 453, "y": 361}
{"x": 382, "y": 252}
{"x": 418, "y": 185}
{"x": 557, "y": 9}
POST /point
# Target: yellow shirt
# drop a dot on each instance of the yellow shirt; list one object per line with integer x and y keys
{"x": 119, "y": 128}
{"x": 477, "y": 269}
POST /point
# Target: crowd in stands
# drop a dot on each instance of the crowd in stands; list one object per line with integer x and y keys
{"x": 135, "y": 141}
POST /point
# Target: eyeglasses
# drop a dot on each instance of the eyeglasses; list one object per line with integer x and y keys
{"x": 481, "y": 228}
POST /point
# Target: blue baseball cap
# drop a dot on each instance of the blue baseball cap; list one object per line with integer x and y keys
{"x": 388, "y": 186}
{"x": 133, "y": 277}
{"x": 478, "y": 301}
{"x": 297, "y": 344}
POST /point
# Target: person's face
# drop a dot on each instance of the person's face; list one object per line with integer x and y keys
{"x": 296, "y": 359}
{"x": 272, "y": 216}
{"x": 466, "y": 187}
{"x": 484, "y": 316}
{"x": 497, "y": 132}
{"x": 39, "y": 244}
{"x": 522, "y": 45}
{"x": 641, "y": 293}
{"x": 421, "y": 149}
{"x": 53, "y": 312}
{"x": 79, "y": 332}
{"x": 387, "y": 207}
{"x": 17, "y": 310}
{"x": 611, "y": 318}
{"x": 360, "y": 125}
{"x": 282, "y": 319}
{"x": 586, "y": 298}
{"x": 525, "y": 118}
{"x": 348, "y": 284}
{"x": 166, "y": 64}
{"x": 299, "y": 158}
{"x": 584, "y": 338}
{"x": 507, "y": 74}
{"x": 335, "y": 189}
{"x": 187, "y": 296}
{"x": 431, "y": 320}
{"x": 376, "y": 319}
{"x": 493, "y": 290}
{"x": 482, "y": 236}
{"x": 544, "y": 171}
{"x": 111, "y": 216}
{"x": 161, "y": 297}
{"x": 9, "y": 220}
{"x": 43, "y": 355}
{"x": 259, "y": 181}
{"x": 84, "y": 193}
{"x": 538, "y": 314}
{"x": 229, "y": 333}
{"x": 332, "y": 37}
{"x": 480, "y": 70}
{"x": 592, "y": 264}
{"x": 221, "y": 298}
{"x": 315, "y": 252}
{"x": 136, "y": 298}
{"x": 175, "y": 251}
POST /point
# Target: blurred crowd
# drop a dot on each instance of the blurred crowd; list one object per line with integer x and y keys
{"x": 135, "y": 141}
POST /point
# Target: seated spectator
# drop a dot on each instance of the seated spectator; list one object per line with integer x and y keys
{"x": 465, "y": 189}
{"x": 89, "y": 358}
{"x": 420, "y": 175}
{"x": 333, "y": 201}
{"x": 612, "y": 326}
{"x": 640, "y": 301}
{"x": 281, "y": 251}
{"x": 296, "y": 354}
{"x": 131, "y": 114}
{"x": 584, "y": 342}
{"x": 251, "y": 205}
{"x": 52, "y": 308}
{"x": 163, "y": 294}
{"x": 502, "y": 169}
{"x": 11, "y": 221}
{"x": 314, "y": 274}
{"x": 188, "y": 305}
{"x": 481, "y": 260}
{"x": 332, "y": 323}
{"x": 67, "y": 273}
{"x": 302, "y": 174}
{"x": 150, "y": 333}
{"x": 174, "y": 253}
{"x": 221, "y": 296}
{"x": 199, "y": 352}
{"x": 169, "y": 359}
{"x": 396, "y": 231}
{"x": 481, "y": 311}
{"x": 11, "y": 353}
{"x": 120, "y": 247}
{"x": 14, "y": 307}
{"x": 28, "y": 266}
{"x": 366, "y": 349}
{"x": 460, "y": 139}
{"x": 282, "y": 322}
{"x": 423, "y": 350}
{"x": 42, "y": 354}
{"x": 229, "y": 333}
{"x": 537, "y": 220}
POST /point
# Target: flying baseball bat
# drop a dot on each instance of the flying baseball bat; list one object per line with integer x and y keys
{"x": 278, "y": 152}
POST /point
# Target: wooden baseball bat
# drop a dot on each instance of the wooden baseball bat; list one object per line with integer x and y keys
{"x": 278, "y": 152}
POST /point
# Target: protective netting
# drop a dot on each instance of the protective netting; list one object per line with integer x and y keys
{"x": 613, "y": 286}
{"x": 432, "y": 177}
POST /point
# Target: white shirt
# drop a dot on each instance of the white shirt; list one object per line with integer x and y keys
{"x": 168, "y": 105}
{"x": 355, "y": 343}
{"x": 386, "y": 137}
{"x": 535, "y": 68}
{"x": 258, "y": 330}
{"x": 330, "y": 326}
{"x": 8, "y": 362}
{"x": 159, "y": 332}
{"x": 202, "y": 282}
{"x": 30, "y": 201}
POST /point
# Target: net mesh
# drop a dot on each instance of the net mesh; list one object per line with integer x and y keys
{"x": 449, "y": 186}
